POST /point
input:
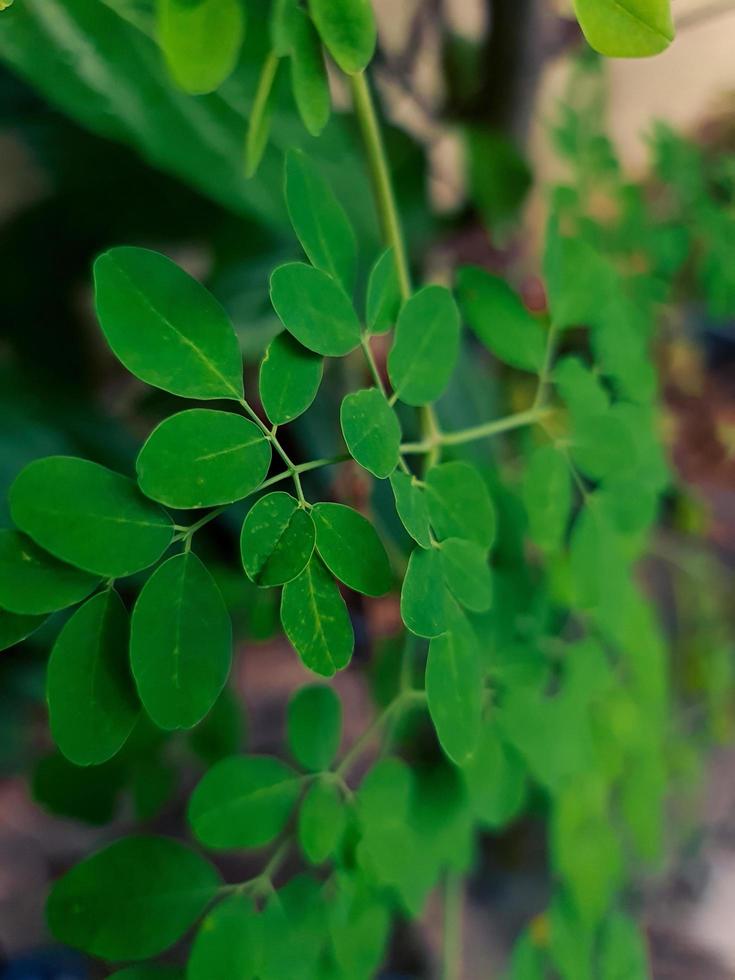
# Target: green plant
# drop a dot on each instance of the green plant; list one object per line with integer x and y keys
{"x": 544, "y": 672}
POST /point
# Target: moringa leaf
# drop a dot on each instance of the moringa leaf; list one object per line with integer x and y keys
{"x": 459, "y": 503}
{"x": 33, "y": 582}
{"x": 90, "y": 692}
{"x": 201, "y": 458}
{"x": 228, "y": 943}
{"x": 426, "y": 346}
{"x": 424, "y": 594}
{"x": 547, "y": 495}
{"x": 89, "y": 516}
{"x": 277, "y": 540}
{"x": 180, "y": 643}
{"x": 349, "y": 546}
{"x": 15, "y": 628}
{"x": 289, "y": 379}
{"x": 314, "y": 726}
{"x": 412, "y": 507}
{"x": 383, "y": 301}
{"x": 467, "y": 573}
{"x": 626, "y": 28}
{"x": 309, "y": 79}
{"x": 322, "y": 821}
{"x": 347, "y": 28}
{"x": 371, "y": 431}
{"x": 165, "y": 327}
{"x": 201, "y": 41}
{"x": 315, "y": 309}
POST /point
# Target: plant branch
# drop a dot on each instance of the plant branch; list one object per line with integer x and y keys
{"x": 461, "y": 436}
{"x": 392, "y": 710}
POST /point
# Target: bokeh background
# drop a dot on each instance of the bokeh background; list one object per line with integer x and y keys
{"x": 494, "y": 106}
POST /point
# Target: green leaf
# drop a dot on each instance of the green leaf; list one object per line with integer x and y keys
{"x": 359, "y": 926}
{"x": 200, "y": 41}
{"x": 371, "y": 430}
{"x": 89, "y": 516}
{"x": 547, "y": 495}
{"x": 319, "y": 221}
{"x": 347, "y": 28}
{"x": 314, "y": 726}
{"x": 626, "y": 28}
{"x": 201, "y": 458}
{"x": 315, "y": 309}
{"x": 146, "y": 972}
{"x": 180, "y": 643}
{"x": 259, "y": 123}
{"x": 623, "y": 953}
{"x": 467, "y": 573}
{"x": 32, "y": 582}
{"x": 316, "y": 621}
{"x": 424, "y": 594}
{"x": 496, "y": 780}
{"x": 14, "y": 628}
{"x": 294, "y": 930}
{"x": 580, "y": 388}
{"x": 243, "y": 801}
{"x": 84, "y": 793}
{"x": 383, "y": 302}
{"x": 579, "y": 282}
{"x": 131, "y": 900}
{"x": 602, "y": 445}
{"x": 281, "y": 18}
{"x": 290, "y": 376}
{"x": 412, "y": 507}
{"x": 454, "y": 688}
{"x": 351, "y": 549}
{"x": 500, "y": 320}
{"x": 459, "y": 504}
{"x": 322, "y": 820}
{"x": 91, "y": 695}
{"x": 227, "y": 945}
{"x": 426, "y": 346}
{"x": 277, "y": 540}
{"x": 165, "y": 327}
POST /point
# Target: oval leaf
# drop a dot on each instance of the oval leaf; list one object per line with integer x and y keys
{"x": 316, "y": 621}
{"x": 467, "y": 573}
{"x": 165, "y": 327}
{"x": 626, "y": 28}
{"x": 200, "y": 41}
{"x": 322, "y": 820}
{"x": 383, "y": 294}
{"x": 371, "y": 431}
{"x": 426, "y": 346}
{"x": 243, "y": 801}
{"x": 309, "y": 79}
{"x": 424, "y": 594}
{"x": 227, "y": 945}
{"x": 290, "y": 376}
{"x": 15, "y": 628}
{"x": 412, "y": 507}
{"x": 347, "y": 28}
{"x": 89, "y": 516}
{"x": 314, "y": 726}
{"x": 315, "y": 309}
{"x": 155, "y": 886}
{"x": 547, "y": 494}
{"x": 91, "y": 695}
{"x": 201, "y": 458}
{"x": 349, "y": 546}
{"x": 277, "y": 540}
{"x": 460, "y": 504}
{"x": 33, "y": 582}
{"x": 181, "y": 643}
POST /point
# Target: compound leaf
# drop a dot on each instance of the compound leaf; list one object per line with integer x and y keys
{"x": 33, "y": 582}
{"x": 426, "y": 346}
{"x": 351, "y": 549}
{"x": 289, "y": 379}
{"x": 315, "y": 309}
{"x": 371, "y": 431}
{"x": 277, "y": 540}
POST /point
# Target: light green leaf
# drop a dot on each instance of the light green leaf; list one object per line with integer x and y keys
{"x": 496, "y": 780}
{"x": 200, "y": 40}
{"x": 155, "y": 886}
{"x": 290, "y": 376}
{"x": 547, "y": 495}
{"x": 347, "y": 28}
{"x": 282, "y": 15}
{"x": 623, "y": 954}
{"x": 201, "y": 458}
{"x": 424, "y": 594}
{"x": 315, "y": 309}
{"x": 322, "y": 820}
{"x": 181, "y": 643}
{"x": 580, "y": 388}
{"x": 277, "y": 540}
{"x": 359, "y": 924}
{"x": 319, "y": 221}
{"x": 602, "y": 445}
{"x": 14, "y": 628}
{"x": 371, "y": 430}
{"x": 459, "y": 503}
{"x": 426, "y": 346}
{"x": 91, "y": 695}
{"x": 579, "y": 282}
{"x": 228, "y": 943}
{"x": 294, "y": 930}
{"x": 626, "y": 28}
{"x": 314, "y": 726}
{"x": 467, "y": 573}
{"x": 412, "y": 507}
{"x": 316, "y": 621}
{"x": 500, "y": 320}
{"x": 165, "y": 327}
{"x": 259, "y": 123}
{"x": 383, "y": 302}
{"x": 89, "y": 516}
{"x": 454, "y": 688}
{"x": 243, "y": 801}
{"x": 32, "y": 582}
{"x": 351, "y": 549}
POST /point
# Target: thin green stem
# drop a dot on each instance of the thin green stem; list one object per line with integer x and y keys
{"x": 545, "y": 372}
{"x": 452, "y": 952}
{"x": 461, "y": 436}
{"x": 254, "y": 144}
{"x": 393, "y": 709}
{"x": 367, "y": 351}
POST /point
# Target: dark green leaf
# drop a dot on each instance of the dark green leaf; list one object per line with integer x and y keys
{"x": 14, "y": 628}
{"x": 89, "y": 516}
{"x": 467, "y": 573}
{"x": 156, "y": 887}
{"x": 33, "y": 582}
{"x": 227, "y": 945}
{"x": 383, "y": 294}
{"x": 347, "y": 28}
{"x": 412, "y": 507}
{"x": 626, "y": 28}
{"x": 314, "y": 725}
{"x": 243, "y": 801}
{"x": 91, "y": 696}
{"x": 181, "y": 643}
{"x": 322, "y": 820}
{"x": 277, "y": 540}
{"x": 315, "y": 309}
{"x": 200, "y": 40}
{"x": 290, "y": 376}
{"x": 424, "y": 594}
{"x": 165, "y": 327}
{"x": 459, "y": 504}
{"x": 371, "y": 430}
{"x": 426, "y": 346}
{"x": 351, "y": 549}
{"x": 316, "y": 621}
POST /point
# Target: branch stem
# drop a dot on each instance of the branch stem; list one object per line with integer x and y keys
{"x": 475, "y": 432}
